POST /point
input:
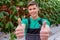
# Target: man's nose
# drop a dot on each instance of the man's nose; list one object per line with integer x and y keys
{"x": 32, "y": 10}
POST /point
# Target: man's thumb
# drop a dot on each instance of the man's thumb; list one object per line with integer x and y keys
{"x": 19, "y": 21}
{"x": 44, "y": 24}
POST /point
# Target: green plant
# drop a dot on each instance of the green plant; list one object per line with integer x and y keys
{"x": 12, "y": 36}
{"x": 50, "y": 9}
{"x": 12, "y": 9}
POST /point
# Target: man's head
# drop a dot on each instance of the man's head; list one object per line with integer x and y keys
{"x": 33, "y": 9}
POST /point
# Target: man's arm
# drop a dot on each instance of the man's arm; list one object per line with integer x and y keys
{"x": 19, "y": 31}
{"x": 45, "y": 31}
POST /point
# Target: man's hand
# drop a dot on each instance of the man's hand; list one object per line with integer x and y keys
{"x": 45, "y": 31}
{"x": 19, "y": 31}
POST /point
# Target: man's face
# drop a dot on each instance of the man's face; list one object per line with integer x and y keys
{"x": 33, "y": 10}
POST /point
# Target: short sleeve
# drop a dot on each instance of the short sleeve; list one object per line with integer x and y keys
{"x": 24, "y": 21}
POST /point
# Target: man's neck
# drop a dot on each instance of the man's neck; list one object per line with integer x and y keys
{"x": 35, "y": 17}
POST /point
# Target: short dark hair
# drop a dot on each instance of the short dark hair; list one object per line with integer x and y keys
{"x": 32, "y": 3}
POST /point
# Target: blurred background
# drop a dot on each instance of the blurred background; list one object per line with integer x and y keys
{"x": 10, "y": 10}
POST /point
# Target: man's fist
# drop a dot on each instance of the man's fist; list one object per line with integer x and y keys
{"x": 45, "y": 31}
{"x": 19, "y": 31}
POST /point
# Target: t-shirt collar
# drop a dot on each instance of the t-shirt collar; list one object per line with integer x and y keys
{"x": 35, "y": 19}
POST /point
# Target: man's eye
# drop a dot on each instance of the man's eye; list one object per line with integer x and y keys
{"x": 34, "y": 8}
{"x": 30, "y": 9}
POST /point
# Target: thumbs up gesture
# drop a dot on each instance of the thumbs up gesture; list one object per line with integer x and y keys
{"x": 45, "y": 31}
{"x": 19, "y": 31}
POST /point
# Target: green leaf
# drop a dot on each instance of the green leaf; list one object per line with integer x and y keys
{"x": 13, "y": 9}
{"x": 12, "y": 36}
{"x": 11, "y": 16}
{"x": 7, "y": 1}
{"x": 1, "y": 24}
{"x": 1, "y": 3}
{"x": 5, "y": 13}
{"x": 1, "y": 15}
{"x": 9, "y": 25}
{"x": 20, "y": 3}
{"x": 15, "y": 18}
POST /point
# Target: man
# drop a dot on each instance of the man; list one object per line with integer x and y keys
{"x": 31, "y": 27}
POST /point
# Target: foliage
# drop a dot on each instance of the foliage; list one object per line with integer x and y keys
{"x": 10, "y": 10}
